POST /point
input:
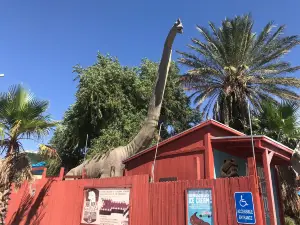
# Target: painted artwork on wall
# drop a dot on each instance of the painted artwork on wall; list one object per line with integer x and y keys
{"x": 199, "y": 207}
{"x": 106, "y": 206}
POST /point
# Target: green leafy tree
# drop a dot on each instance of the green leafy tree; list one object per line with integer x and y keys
{"x": 280, "y": 122}
{"x": 22, "y": 116}
{"x": 231, "y": 66}
{"x": 111, "y": 104}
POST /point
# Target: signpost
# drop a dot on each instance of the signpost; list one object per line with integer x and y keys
{"x": 244, "y": 207}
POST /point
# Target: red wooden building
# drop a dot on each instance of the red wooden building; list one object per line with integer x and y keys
{"x": 198, "y": 153}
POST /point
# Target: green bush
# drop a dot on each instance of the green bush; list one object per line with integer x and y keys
{"x": 289, "y": 221}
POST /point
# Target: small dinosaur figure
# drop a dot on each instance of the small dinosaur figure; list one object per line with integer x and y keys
{"x": 110, "y": 164}
{"x": 229, "y": 168}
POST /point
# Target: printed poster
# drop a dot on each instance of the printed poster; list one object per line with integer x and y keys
{"x": 199, "y": 207}
{"x": 106, "y": 206}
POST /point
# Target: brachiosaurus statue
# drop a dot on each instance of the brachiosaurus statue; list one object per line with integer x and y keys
{"x": 110, "y": 164}
{"x": 295, "y": 160}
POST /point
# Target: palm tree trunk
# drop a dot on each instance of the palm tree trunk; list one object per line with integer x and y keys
{"x": 4, "y": 198}
{"x": 6, "y": 180}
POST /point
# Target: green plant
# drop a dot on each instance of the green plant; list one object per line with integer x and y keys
{"x": 233, "y": 66}
{"x": 289, "y": 221}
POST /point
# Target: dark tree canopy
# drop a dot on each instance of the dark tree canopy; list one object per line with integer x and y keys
{"x": 111, "y": 104}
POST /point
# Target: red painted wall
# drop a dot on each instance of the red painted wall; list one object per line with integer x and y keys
{"x": 60, "y": 202}
{"x": 177, "y": 158}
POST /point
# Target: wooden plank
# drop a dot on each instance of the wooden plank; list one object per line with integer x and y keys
{"x": 209, "y": 157}
{"x": 280, "y": 199}
{"x": 269, "y": 187}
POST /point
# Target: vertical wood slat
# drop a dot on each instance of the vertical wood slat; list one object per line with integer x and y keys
{"x": 162, "y": 203}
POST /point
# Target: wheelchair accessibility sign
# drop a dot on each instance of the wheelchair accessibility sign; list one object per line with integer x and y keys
{"x": 244, "y": 208}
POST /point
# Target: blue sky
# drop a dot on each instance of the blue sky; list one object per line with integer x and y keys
{"x": 41, "y": 41}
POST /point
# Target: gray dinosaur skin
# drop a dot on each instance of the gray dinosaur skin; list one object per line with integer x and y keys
{"x": 111, "y": 164}
{"x": 295, "y": 160}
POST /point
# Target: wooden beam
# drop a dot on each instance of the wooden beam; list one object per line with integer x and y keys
{"x": 270, "y": 156}
{"x": 269, "y": 187}
{"x": 61, "y": 173}
{"x": 250, "y": 164}
{"x": 44, "y": 174}
{"x": 208, "y": 157}
{"x": 259, "y": 208}
{"x": 198, "y": 168}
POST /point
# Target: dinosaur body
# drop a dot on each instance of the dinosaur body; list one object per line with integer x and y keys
{"x": 295, "y": 160}
{"x": 110, "y": 164}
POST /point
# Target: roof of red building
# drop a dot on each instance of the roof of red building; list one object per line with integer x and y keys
{"x": 197, "y": 127}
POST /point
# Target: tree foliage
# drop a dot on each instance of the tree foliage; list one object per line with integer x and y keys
{"x": 280, "y": 122}
{"x": 111, "y": 104}
{"x": 231, "y": 66}
{"x": 22, "y": 116}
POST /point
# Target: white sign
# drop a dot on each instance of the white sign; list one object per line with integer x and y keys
{"x": 106, "y": 206}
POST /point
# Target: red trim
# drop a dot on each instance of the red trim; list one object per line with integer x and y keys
{"x": 269, "y": 187}
{"x": 197, "y": 127}
{"x": 37, "y": 168}
{"x": 286, "y": 149}
{"x": 72, "y": 177}
{"x": 181, "y": 151}
{"x": 198, "y": 168}
{"x": 209, "y": 157}
{"x": 258, "y": 144}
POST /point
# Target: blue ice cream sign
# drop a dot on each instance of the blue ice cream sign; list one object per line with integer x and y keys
{"x": 244, "y": 206}
{"x": 199, "y": 207}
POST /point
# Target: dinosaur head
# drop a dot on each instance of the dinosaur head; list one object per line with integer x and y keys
{"x": 178, "y": 26}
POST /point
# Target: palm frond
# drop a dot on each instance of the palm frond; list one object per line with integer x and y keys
{"x": 240, "y": 66}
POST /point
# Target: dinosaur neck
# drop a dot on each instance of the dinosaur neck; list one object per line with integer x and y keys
{"x": 143, "y": 139}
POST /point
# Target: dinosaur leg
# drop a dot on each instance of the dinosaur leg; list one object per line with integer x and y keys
{"x": 112, "y": 171}
{"x": 118, "y": 172}
{"x": 104, "y": 175}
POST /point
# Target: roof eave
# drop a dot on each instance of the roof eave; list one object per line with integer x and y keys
{"x": 198, "y": 126}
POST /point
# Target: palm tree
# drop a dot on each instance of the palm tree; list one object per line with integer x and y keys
{"x": 21, "y": 117}
{"x": 279, "y": 121}
{"x": 232, "y": 66}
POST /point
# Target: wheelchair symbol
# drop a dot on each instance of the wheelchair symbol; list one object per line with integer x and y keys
{"x": 242, "y": 202}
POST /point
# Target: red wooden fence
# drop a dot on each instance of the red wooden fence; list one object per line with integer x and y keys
{"x": 59, "y": 202}
{"x": 167, "y": 200}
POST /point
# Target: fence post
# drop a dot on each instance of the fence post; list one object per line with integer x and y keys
{"x": 83, "y": 173}
{"x": 44, "y": 174}
{"x": 208, "y": 158}
{"x": 61, "y": 173}
{"x": 257, "y": 201}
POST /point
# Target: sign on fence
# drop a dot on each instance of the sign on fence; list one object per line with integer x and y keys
{"x": 244, "y": 206}
{"x": 199, "y": 207}
{"x": 109, "y": 206}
